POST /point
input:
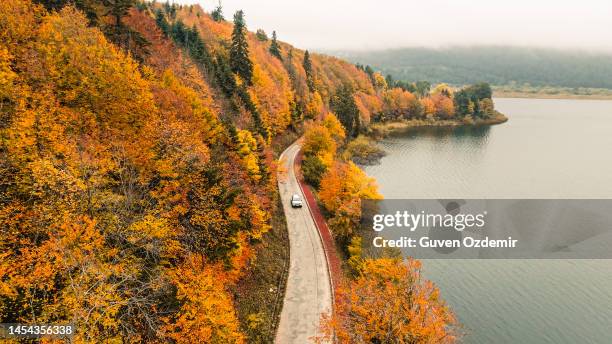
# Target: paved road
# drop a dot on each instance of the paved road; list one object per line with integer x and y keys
{"x": 308, "y": 292}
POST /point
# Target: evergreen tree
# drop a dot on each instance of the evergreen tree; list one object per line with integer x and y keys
{"x": 52, "y": 4}
{"x": 121, "y": 34}
{"x": 370, "y": 72}
{"x": 422, "y": 88}
{"x": 289, "y": 65}
{"x": 306, "y": 63}
{"x": 274, "y": 47}
{"x": 198, "y": 49}
{"x": 308, "y": 69}
{"x": 162, "y": 23}
{"x": 313, "y": 170}
{"x": 239, "y": 50}
{"x": 178, "y": 32}
{"x": 248, "y": 103}
{"x": 217, "y": 13}
{"x": 390, "y": 81}
{"x": 170, "y": 10}
{"x": 261, "y": 35}
{"x": 344, "y": 106}
{"x": 481, "y": 90}
{"x": 462, "y": 103}
{"x": 223, "y": 74}
{"x": 118, "y": 9}
{"x": 86, "y": 6}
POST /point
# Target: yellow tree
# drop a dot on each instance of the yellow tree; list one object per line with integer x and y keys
{"x": 343, "y": 187}
{"x": 318, "y": 141}
{"x": 247, "y": 148}
{"x": 379, "y": 81}
{"x": 335, "y": 128}
{"x": 442, "y": 89}
{"x": 344, "y": 182}
{"x": 314, "y": 106}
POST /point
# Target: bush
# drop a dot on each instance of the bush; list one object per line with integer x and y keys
{"x": 363, "y": 151}
{"x": 313, "y": 170}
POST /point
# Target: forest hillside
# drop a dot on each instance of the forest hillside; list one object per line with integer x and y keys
{"x": 137, "y": 160}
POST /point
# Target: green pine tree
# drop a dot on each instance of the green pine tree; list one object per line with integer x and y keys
{"x": 289, "y": 65}
{"x": 161, "y": 21}
{"x": 308, "y": 69}
{"x": 274, "y": 47}
{"x": 261, "y": 35}
{"x": 118, "y": 9}
{"x": 239, "y": 50}
{"x": 343, "y": 105}
{"x": 224, "y": 76}
{"x": 217, "y": 13}
{"x": 88, "y": 7}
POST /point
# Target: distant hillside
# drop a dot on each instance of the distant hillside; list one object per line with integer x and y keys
{"x": 496, "y": 65}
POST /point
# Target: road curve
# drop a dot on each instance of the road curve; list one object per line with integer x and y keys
{"x": 308, "y": 292}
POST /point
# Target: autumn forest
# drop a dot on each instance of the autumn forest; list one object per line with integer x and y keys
{"x": 139, "y": 146}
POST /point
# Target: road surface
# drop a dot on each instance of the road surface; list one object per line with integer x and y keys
{"x": 308, "y": 292}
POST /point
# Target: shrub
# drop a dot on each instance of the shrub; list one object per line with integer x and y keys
{"x": 313, "y": 170}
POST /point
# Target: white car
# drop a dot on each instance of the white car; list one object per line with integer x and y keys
{"x": 296, "y": 201}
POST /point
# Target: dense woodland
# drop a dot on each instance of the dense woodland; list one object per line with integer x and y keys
{"x": 137, "y": 167}
{"x": 496, "y": 65}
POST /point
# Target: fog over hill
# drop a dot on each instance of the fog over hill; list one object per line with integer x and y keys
{"x": 499, "y": 65}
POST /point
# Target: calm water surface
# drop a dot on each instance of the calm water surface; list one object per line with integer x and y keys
{"x": 548, "y": 149}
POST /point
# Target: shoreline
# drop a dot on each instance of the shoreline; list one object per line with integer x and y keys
{"x": 527, "y": 95}
{"x": 383, "y": 129}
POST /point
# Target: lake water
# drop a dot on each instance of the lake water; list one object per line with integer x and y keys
{"x": 548, "y": 149}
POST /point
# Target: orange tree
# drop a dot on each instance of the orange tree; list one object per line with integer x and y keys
{"x": 389, "y": 302}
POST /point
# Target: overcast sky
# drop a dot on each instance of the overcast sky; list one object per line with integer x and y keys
{"x": 375, "y": 24}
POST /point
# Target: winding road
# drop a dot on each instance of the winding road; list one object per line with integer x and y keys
{"x": 308, "y": 292}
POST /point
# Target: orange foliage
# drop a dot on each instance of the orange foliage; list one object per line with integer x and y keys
{"x": 108, "y": 187}
{"x": 429, "y": 107}
{"x": 127, "y": 207}
{"x": 333, "y": 73}
{"x": 397, "y": 99}
{"x": 444, "y": 106}
{"x": 389, "y": 302}
{"x": 273, "y": 94}
{"x": 368, "y": 105}
{"x": 343, "y": 183}
{"x": 207, "y": 314}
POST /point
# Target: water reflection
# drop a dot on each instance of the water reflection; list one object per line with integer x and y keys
{"x": 480, "y": 133}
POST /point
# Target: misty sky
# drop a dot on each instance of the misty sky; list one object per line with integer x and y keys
{"x": 374, "y": 24}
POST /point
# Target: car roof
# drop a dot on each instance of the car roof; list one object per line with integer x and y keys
{"x": 295, "y": 196}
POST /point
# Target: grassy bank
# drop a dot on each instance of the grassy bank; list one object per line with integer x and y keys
{"x": 382, "y": 129}
{"x": 259, "y": 295}
{"x": 549, "y": 92}
{"x": 541, "y": 95}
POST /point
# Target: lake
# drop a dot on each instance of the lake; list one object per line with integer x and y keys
{"x": 548, "y": 149}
